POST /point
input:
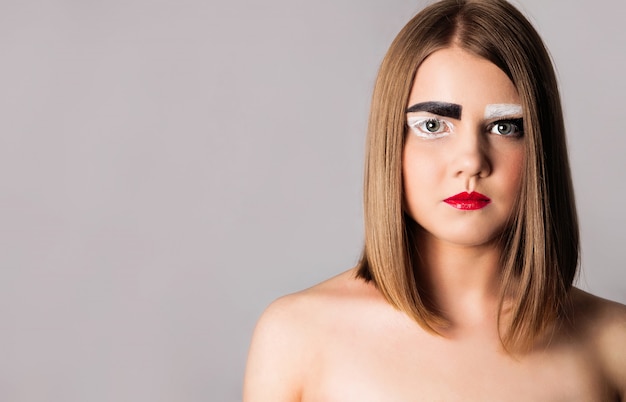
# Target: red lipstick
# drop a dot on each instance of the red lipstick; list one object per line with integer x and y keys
{"x": 468, "y": 201}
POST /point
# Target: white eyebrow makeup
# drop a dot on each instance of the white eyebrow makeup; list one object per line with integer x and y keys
{"x": 498, "y": 110}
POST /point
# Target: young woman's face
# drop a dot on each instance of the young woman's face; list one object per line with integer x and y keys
{"x": 464, "y": 152}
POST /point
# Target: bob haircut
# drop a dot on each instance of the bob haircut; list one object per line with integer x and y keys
{"x": 540, "y": 246}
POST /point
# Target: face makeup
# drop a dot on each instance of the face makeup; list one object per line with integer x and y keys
{"x": 431, "y": 127}
{"x": 468, "y": 201}
{"x": 499, "y": 110}
{"x": 443, "y": 109}
{"x": 470, "y": 114}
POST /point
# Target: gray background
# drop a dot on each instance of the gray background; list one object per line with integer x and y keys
{"x": 170, "y": 167}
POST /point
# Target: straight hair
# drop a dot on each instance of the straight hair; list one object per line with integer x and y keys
{"x": 540, "y": 246}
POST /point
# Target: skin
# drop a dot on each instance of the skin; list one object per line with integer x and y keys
{"x": 341, "y": 341}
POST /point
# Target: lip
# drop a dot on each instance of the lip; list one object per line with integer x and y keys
{"x": 468, "y": 201}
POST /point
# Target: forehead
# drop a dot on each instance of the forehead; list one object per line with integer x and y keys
{"x": 456, "y": 76}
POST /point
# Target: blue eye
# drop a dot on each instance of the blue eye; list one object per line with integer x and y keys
{"x": 507, "y": 128}
{"x": 429, "y": 127}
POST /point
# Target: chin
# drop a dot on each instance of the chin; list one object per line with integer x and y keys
{"x": 464, "y": 237}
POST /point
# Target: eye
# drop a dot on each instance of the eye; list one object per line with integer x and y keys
{"x": 507, "y": 128}
{"x": 432, "y": 125}
{"x": 429, "y": 127}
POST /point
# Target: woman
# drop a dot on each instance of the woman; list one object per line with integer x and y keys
{"x": 464, "y": 290}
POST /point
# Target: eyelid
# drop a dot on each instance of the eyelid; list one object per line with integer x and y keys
{"x": 500, "y": 119}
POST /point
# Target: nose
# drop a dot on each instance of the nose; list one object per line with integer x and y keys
{"x": 471, "y": 160}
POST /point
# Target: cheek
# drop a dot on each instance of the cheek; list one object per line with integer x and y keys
{"x": 513, "y": 167}
{"x": 421, "y": 171}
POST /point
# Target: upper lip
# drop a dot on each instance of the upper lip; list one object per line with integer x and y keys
{"x": 465, "y": 196}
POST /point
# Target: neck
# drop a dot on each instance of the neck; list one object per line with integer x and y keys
{"x": 463, "y": 282}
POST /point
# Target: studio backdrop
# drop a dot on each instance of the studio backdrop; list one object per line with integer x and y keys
{"x": 168, "y": 168}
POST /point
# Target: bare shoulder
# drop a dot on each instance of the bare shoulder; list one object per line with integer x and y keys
{"x": 599, "y": 317}
{"x": 310, "y": 310}
{"x": 603, "y": 323}
{"x": 291, "y": 331}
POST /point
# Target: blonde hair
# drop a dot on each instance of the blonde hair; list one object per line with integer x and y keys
{"x": 541, "y": 246}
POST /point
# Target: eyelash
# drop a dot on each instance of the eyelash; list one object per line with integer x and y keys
{"x": 418, "y": 126}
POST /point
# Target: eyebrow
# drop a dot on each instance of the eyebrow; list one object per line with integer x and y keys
{"x": 439, "y": 108}
{"x": 497, "y": 110}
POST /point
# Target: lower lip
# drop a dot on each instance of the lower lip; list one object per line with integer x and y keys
{"x": 468, "y": 205}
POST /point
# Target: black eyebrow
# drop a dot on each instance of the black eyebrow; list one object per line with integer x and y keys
{"x": 444, "y": 109}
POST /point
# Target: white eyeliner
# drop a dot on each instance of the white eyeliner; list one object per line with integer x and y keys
{"x": 498, "y": 110}
{"x": 415, "y": 121}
